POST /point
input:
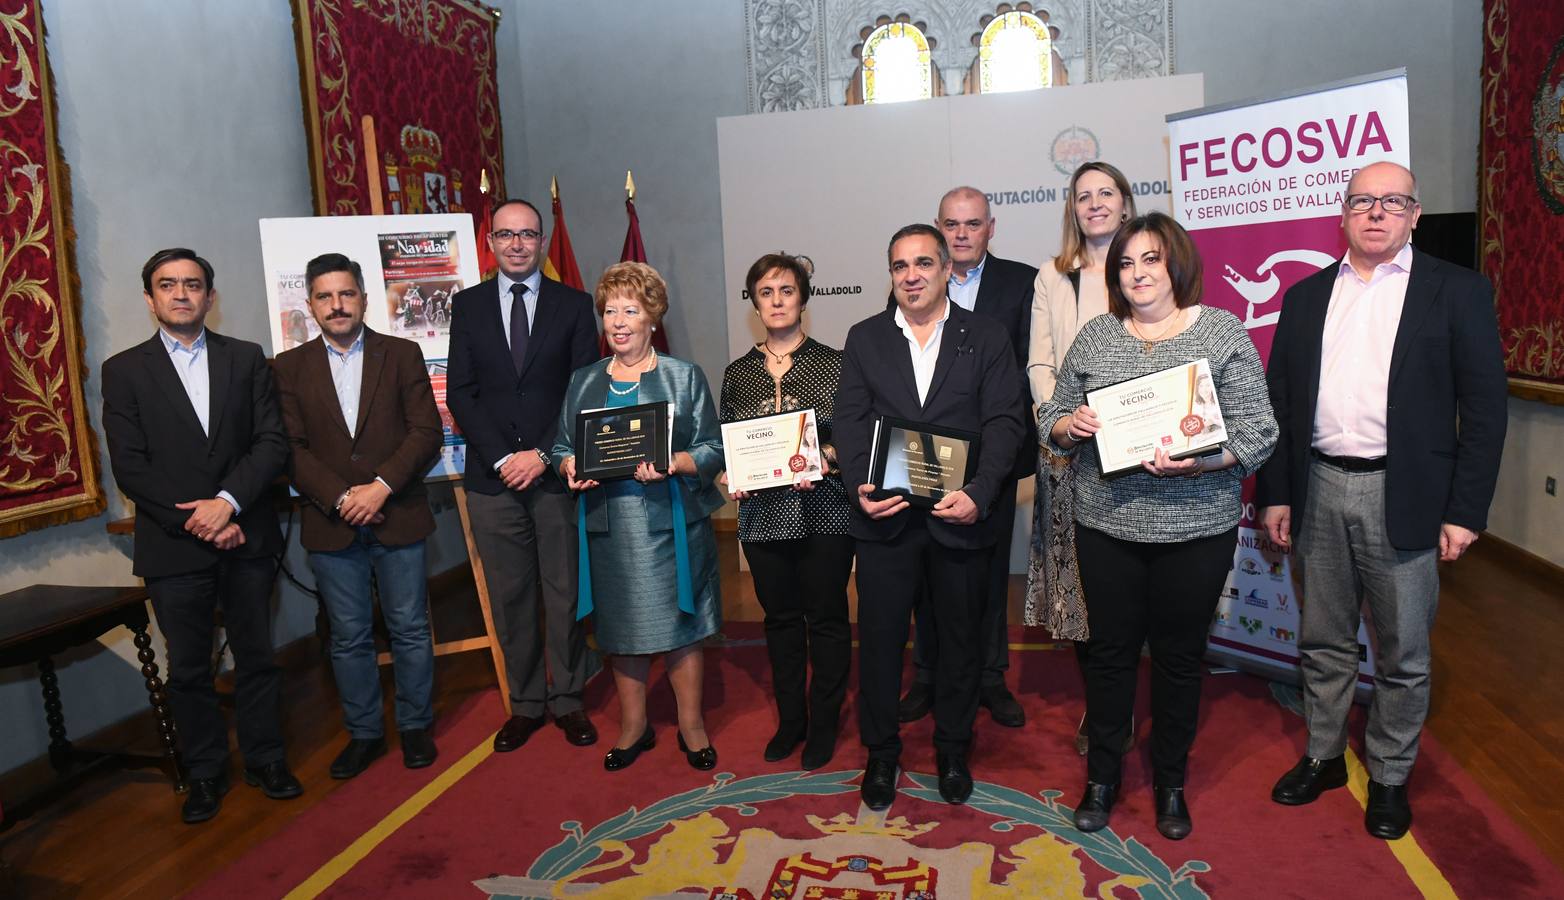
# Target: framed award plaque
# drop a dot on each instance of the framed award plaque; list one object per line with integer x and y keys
{"x": 611, "y": 442}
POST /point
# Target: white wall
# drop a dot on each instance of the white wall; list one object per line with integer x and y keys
{"x": 1248, "y": 49}
{"x": 634, "y": 86}
{"x": 182, "y": 125}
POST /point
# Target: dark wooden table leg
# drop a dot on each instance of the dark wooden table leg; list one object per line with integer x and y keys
{"x": 165, "y": 719}
{"x": 59, "y": 747}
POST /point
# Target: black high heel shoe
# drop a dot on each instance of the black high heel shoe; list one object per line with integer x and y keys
{"x": 703, "y": 759}
{"x": 621, "y": 757}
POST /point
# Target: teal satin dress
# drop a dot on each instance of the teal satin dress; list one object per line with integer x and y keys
{"x": 634, "y": 570}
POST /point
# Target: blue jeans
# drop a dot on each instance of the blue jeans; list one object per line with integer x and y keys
{"x": 343, "y": 579}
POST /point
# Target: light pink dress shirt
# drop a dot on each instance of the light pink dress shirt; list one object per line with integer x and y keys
{"x": 1360, "y": 332}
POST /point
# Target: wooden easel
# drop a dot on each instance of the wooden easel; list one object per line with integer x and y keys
{"x": 489, "y": 640}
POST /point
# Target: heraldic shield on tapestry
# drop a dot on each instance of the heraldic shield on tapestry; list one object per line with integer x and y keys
{"x": 432, "y": 137}
{"x": 48, "y": 454}
{"x": 1520, "y": 203}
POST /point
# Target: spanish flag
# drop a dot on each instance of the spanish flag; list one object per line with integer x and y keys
{"x": 560, "y": 264}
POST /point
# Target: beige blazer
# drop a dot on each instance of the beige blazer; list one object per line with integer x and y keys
{"x": 1056, "y": 317}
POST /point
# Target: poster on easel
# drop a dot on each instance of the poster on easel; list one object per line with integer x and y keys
{"x": 413, "y": 268}
{"x": 1259, "y": 186}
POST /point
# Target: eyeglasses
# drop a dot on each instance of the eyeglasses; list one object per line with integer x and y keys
{"x": 1391, "y": 203}
{"x": 505, "y": 236}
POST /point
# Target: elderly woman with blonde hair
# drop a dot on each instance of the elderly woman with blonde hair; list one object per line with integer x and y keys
{"x": 648, "y": 555}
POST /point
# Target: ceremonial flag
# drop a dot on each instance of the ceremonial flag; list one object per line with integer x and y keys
{"x": 635, "y": 251}
{"x": 560, "y": 264}
{"x": 487, "y": 264}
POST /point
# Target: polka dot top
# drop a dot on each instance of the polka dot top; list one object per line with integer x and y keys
{"x": 748, "y": 390}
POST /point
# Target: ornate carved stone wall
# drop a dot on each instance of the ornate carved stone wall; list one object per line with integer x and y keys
{"x": 800, "y": 51}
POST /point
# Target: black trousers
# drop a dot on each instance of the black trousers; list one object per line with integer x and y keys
{"x": 1140, "y": 593}
{"x": 891, "y": 574}
{"x": 802, "y": 586}
{"x": 186, "y": 606}
{"x": 994, "y": 630}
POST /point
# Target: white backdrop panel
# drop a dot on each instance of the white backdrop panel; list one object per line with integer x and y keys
{"x": 834, "y": 184}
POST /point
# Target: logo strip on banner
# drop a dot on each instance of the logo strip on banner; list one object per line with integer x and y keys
{"x": 1259, "y": 185}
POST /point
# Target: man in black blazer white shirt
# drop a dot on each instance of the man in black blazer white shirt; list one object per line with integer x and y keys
{"x": 927, "y": 361}
{"x": 515, "y": 339}
{"x": 195, "y": 439}
{"x": 1387, "y": 378}
{"x": 1000, "y": 289}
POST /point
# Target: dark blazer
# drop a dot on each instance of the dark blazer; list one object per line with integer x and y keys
{"x": 975, "y": 388}
{"x": 397, "y": 437}
{"x": 498, "y": 409}
{"x": 1005, "y": 295}
{"x": 696, "y": 431}
{"x": 1447, "y": 402}
{"x": 161, "y": 457}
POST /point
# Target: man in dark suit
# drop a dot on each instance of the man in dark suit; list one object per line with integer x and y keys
{"x": 361, "y": 417}
{"x": 514, "y": 342}
{"x": 931, "y": 362}
{"x": 1388, "y": 381}
{"x": 1000, "y": 289}
{"x": 195, "y": 441}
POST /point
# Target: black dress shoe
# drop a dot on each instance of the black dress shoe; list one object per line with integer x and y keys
{"x": 515, "y": 732}
{"x": 418, "y": 749}
{"x": 820, "y": 746}
{"x": 620, "y": 757}
{"x": 1002, "y": 705}
{"x": 1095, "y": 807}
{"x": 274, "y": 780}
{"x": 1311, "y": 777}
{"x": 357, "y": 756}
{"x": 955, "y": 779}
{"x": 205, "y": 798}
{"x": 1172, "y": 813}
{"x": 781, "y": 745}
{"x": 915, "y": 704}
{"x": 879, "y": 784}
{"x": 1388, "y": 815}
{"x": 705, "y": 758}
{"x": 577, "y": 727}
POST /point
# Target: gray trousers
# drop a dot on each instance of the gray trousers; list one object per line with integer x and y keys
{"x": 527, "y": 541}
{"x": 1345, "y": 558}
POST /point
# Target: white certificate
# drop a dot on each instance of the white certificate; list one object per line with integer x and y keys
{"x": 1174, "y": 410}
{"x": 772, "y": 451}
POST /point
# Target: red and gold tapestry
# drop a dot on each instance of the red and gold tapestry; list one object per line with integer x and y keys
{"x": 1521, "y": 188}
{"x": 48, "y": 455}
{"x": 424, "y": 71}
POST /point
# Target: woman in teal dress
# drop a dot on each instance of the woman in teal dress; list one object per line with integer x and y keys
{"x": 648, "y": 554}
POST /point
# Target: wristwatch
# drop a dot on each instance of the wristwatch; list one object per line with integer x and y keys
{"x": 547, "y": 463}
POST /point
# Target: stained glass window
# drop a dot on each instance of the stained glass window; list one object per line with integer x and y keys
{"x": 896, "y": 64}
{"x": 1015, "y": 54}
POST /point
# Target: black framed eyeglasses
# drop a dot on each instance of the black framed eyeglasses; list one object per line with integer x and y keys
{"x": 505, "y": 235}
{"x": 1391, "y": 203}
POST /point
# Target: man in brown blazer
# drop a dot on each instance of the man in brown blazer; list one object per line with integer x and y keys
{"x": 362, "y": 422}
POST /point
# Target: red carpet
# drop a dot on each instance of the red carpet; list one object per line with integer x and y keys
{"x": 548, "y": 821}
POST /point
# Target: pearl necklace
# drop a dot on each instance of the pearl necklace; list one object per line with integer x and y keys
{"x": 628, "y": 391}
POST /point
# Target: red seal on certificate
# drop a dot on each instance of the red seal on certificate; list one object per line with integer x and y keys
{"x": 797, "y": 463}
{"x": 1191, "y": 425}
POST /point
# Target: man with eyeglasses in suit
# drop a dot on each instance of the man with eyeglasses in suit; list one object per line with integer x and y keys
{"x": 515, "y": 339}
{"x": 1387, "y": 378}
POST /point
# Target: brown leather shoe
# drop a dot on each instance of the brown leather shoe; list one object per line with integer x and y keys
{"x": 515, "y": 732}
{"x": 577, "y": 728}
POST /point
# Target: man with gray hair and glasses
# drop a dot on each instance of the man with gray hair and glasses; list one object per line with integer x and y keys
{"x": 1387, "y": 378}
